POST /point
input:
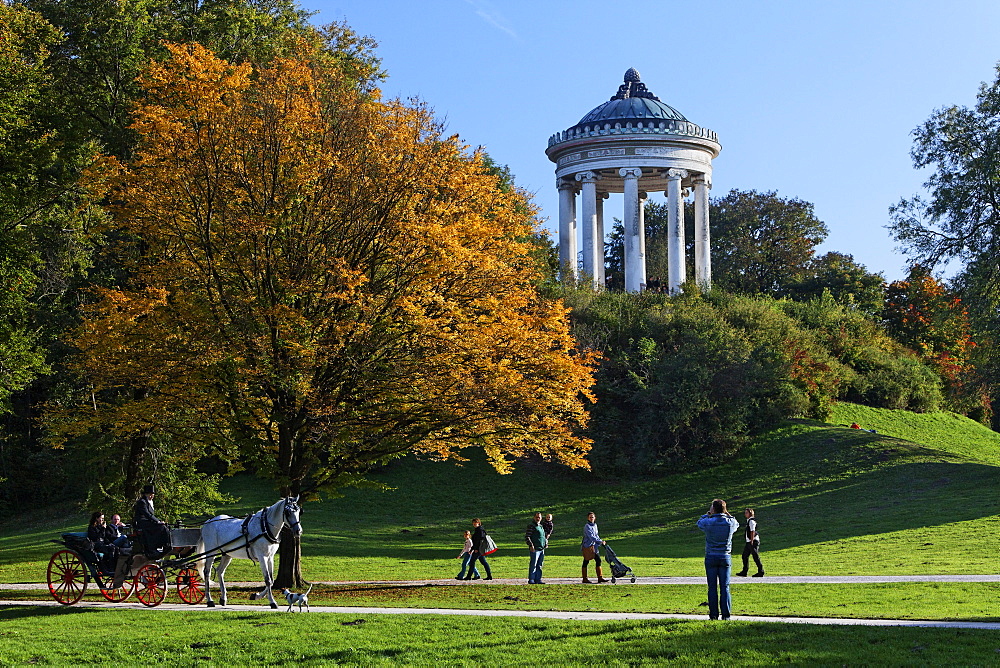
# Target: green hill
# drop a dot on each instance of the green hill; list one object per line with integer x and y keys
{"x": 912, "y": 498}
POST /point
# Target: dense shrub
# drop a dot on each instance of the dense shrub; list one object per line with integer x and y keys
{"x": 884, "y": 373}
{"x": 687, "y": 380}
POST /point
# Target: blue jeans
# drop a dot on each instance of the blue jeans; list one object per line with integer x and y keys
{"x": 476, "y": 556}
{"x": 465, "y": 564}
{"x": 535, "y": 561}
{"x": 717, "y": 568}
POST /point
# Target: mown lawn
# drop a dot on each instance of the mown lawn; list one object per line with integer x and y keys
{"x": 830, "y": 500}
{"x": 140, "y": 637}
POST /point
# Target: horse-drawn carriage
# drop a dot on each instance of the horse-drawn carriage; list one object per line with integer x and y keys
{"x": 145, "y": 572}
{"x": 72, "y": 568}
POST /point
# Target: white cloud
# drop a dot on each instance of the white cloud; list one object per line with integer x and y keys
{"x": 487, "y": 12}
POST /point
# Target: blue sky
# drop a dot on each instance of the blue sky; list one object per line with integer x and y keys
{"x": 815, "y": 100}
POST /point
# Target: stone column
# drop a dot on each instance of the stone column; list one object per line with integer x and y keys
{"x": 676, "y": 269}
{"x": 567, "y": 229}
{"x": 602, "y": 280}
{"x": 589, "y": 223}
{"x": 643, "y": 196}
{"x": 633, "y": 261}
{"x": 702, "y": 236}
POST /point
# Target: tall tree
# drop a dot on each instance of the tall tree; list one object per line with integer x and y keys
{"x": 962, "y": 219}
{"x": 80, "y": 102}
{"x": 761, "y": 243}
{"x": 324, "y": 282}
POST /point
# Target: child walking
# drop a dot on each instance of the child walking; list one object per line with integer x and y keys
{"x": 466, "y": 555}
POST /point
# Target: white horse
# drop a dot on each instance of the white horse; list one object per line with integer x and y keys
{"x": 256, "y": 539}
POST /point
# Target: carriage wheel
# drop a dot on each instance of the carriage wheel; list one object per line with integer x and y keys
{"x": 150, "y": 585}
{"x": 633, "y": 579}
{"x": 67, "y": 577}
{"x": 190, "y": 587}
{"x": 613, "y": 579}
{"x": 119, "y": 594}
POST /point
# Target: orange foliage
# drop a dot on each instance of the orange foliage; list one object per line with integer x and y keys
{"x": 325, "y": 281}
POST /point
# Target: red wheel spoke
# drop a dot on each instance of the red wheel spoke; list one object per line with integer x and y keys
{"x": 67, "y": 578}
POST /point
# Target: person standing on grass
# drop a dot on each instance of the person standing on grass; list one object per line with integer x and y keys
{"x": 591, "y": 548}
{"x": 719, "y": 527}
{"x": 478, "y": 547}
{"x": 534, "y": 536}
{"x": 752, "y": 547}
{"x": 466, "y": 556}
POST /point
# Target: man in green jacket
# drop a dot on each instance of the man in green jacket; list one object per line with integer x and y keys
{"x": 534, "y": 536}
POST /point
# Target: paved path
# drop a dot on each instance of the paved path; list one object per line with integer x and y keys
{"x": 536, "y": 614}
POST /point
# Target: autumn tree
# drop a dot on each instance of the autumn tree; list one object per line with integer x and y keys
{"x": 923, "y": 314}
{"x": 324, "y": 282}
{"x": 68, "y": 89}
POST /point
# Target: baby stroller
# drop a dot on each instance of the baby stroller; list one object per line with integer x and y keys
{"x": 618, "y": 569}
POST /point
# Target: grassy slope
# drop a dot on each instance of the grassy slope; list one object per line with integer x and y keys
{"x": 830, "y": 500}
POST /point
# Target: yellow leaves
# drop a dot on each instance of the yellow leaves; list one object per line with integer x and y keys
{"x": 329, "y": 274}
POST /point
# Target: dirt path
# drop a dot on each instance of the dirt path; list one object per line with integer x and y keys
{"x": 699, "y": 580}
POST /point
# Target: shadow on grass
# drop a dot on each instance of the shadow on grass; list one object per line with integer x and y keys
{"x": 10, "y": 613}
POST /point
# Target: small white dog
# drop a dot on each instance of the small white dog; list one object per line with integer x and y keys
{"x": 300, "y": 599}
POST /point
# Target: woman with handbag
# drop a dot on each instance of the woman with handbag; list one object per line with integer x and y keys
{"x": 480, "y": 547}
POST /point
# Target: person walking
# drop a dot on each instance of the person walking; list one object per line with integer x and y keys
{"x": 534, "y": 536}
{"x": 752, "y": 546}
{"x": 466, "y": 556}
{"x": 591, "y": 543}
{"x": 719, "y": 527}
{"x": 478, "y": 548}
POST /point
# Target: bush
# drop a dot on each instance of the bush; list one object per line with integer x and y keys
{"x": 687, "y": 380}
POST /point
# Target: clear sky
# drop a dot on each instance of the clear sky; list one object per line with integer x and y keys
{"x": 812, "y": 99}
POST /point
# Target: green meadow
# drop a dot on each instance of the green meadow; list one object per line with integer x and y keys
{"x": 915, "y": 497}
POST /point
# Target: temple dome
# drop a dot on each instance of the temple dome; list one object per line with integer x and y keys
{"x": 633, "y": 102}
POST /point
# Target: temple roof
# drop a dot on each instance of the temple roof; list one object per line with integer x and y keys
{"x": 633, "y": 101}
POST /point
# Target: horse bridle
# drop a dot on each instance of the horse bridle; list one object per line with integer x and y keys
{"x": 290, "y": 506}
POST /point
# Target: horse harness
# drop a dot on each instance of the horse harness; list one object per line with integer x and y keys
{"x": 267, "y": 531}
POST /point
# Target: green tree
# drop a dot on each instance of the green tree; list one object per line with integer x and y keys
{"x": 959, "y": 223}
{"x": 762, "y": 243}
{"x": 847, "y": 281}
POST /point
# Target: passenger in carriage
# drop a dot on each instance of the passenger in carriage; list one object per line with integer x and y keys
{"x": 102, "y": 537}
{"x": 118, "y": 532}
{"x": 97, "y": 531}
{"x": 154, "y": 530}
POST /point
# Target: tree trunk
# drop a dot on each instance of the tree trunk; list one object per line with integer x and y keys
{"x": 289, "y": 561}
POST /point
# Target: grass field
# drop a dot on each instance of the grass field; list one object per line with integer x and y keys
{"x": 830, "y": 500}
{"x": 914, "y": 498}
{"x": 141, "y": 637}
